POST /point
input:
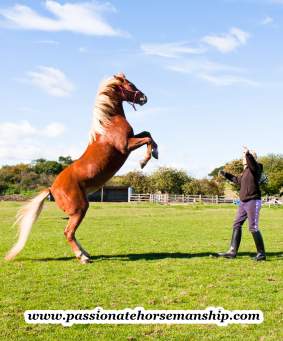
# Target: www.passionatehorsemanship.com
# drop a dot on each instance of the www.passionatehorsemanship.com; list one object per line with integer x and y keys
{"x": 139, "y": 315}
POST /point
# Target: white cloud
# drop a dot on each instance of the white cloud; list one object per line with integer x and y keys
{"x": 23, "y": 142}
{"x": 47, "y": 42}
{"x": 85, "y": 18}
{"x": 18, "y": 153}
{"x": 54, "y": 129}
{"x": 267, "y": 20}
{"x": 26, "y": 152}
{"x": 51, "y": 80}
{"x": 170, "y": 50}
{"x": 227, "y": 42}
{"x": 10, "y": 131}
{"x": 202, "y": 65}
{"x": 226, "y": 80}
{"x": 214, "y": 73}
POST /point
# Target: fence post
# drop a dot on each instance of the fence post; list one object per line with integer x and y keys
{"x": 130, "y": 192}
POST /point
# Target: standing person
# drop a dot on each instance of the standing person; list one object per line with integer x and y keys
{"x": 250, "y": 204}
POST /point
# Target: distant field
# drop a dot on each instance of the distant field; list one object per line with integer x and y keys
{"x": 153, "y": 256}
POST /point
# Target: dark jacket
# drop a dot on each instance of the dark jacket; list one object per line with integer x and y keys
{"x": 248, "y": 180}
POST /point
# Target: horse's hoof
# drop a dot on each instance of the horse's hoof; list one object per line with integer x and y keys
{"x": 155, "y": 154}
{"x": 142, "y": 164}
{"x": 85, "y": 260}
{"x": 85, "y": 253}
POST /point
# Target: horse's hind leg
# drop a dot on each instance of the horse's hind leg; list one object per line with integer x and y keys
{"x": 72, "y": 201}
{"x": 73, "y": 223}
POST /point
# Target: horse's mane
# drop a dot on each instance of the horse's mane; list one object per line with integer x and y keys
{"x": 103, "y": 107}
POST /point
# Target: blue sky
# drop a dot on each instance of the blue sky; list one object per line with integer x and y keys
{"x": 212, "y": 71}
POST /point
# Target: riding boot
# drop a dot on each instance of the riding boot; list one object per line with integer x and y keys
{"x": 235, "y": 243}
{"x": 259, "y": 246}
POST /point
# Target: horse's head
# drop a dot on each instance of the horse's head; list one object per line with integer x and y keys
{"x": 128, "y": 91}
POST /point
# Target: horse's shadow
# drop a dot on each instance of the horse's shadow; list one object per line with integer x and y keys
{"x": 151, "y": 256}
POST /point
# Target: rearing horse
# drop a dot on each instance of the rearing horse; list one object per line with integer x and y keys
{"x": 112, "y": 139}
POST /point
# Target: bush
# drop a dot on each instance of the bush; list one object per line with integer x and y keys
{"x": 169, "y": 180}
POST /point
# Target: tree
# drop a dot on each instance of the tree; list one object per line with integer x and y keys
{"x": 29, "y": 181}
{"x": 234, "y": 167}
{"x": 45, "y": 180}
{"x": 23, "y": 178}
{"x": 41, "y": 173}
{"x": 211, "y": 187}
{"x": 273, "y": 168}
{"x": 13, "y": 174}
{"x": 138, "y": 181}
{"x": 203, "y": 187}
{"x": 65, "y": 161}
{"x": 48, "y": 167}
{"x": 11, "y": 177}
{"x": 168, "y": 180}
{"x": 215, "y": 171}
{"x": 117, "y": 180}
{"x": 3, "y": 187}
{"x": 192, "y": 187}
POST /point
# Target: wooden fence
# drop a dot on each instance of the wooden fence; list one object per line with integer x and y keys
{"x": 191, "y": 199}
{"x": 175, "y": 198}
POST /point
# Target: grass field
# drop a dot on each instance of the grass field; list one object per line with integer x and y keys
{"x": 153, "y": 256}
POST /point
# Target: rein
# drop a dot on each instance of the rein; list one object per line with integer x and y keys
{"x": 131, "y": 91}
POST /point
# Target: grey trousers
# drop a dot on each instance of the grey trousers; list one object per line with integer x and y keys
{"x": 248, "y": 210}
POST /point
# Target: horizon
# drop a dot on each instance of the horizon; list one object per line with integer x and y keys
{"x": 142, "y": 170}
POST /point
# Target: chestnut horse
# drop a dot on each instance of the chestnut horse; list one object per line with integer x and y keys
{"x": 112, "y": 139}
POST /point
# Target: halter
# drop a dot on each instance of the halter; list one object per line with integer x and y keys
{"x": 131, "y": 91}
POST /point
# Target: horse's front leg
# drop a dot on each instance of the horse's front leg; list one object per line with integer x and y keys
{"x": 147, "y": 156}
{"x": 140, "y": 140}
{"x": 153, "y": 145}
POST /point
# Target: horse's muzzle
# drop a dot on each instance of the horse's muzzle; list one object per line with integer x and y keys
{"x": 143, "y": 99}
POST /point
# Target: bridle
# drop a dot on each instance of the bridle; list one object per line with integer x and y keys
{"x": 133, "y": 102}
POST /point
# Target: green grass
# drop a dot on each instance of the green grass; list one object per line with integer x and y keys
{"x": 153, "y": 256}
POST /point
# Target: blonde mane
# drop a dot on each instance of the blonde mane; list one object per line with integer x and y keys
{"x": 103, "y": 108}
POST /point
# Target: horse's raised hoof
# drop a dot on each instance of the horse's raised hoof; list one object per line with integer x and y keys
{"x": 142, "y": 164}
{"x": 154, "y": 153}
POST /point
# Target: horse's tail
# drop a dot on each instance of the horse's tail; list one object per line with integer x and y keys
{"x": 26, "y": 217}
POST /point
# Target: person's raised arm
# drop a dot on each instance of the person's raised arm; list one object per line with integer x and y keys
{"x": 251, "y": 163}
{"x": 230, "y": 177}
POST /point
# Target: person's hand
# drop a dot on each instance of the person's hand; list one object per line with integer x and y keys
{"x": 245, "y": 150}
{"x": 253, "y": 152}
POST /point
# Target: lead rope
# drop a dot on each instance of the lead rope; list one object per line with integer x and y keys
{"x": 134, "y": 100}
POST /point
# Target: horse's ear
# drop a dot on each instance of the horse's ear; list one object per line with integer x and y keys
{"x": 120, "y": 76}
